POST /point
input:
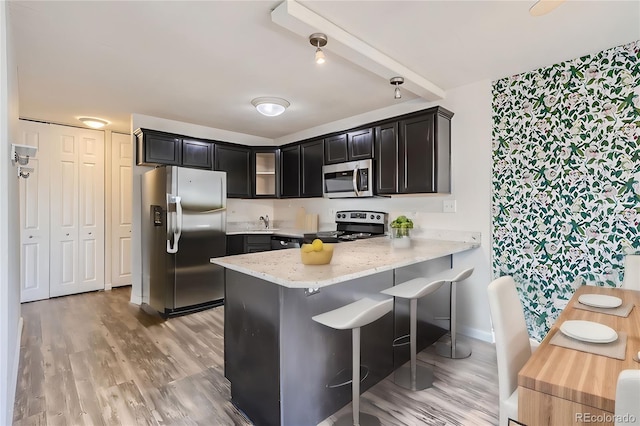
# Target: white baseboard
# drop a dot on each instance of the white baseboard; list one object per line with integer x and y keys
{"x": 476, "y": 334}
{"x": 13, "y": 373}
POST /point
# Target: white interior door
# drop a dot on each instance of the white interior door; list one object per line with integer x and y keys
{"x": 77, "y": 211}
{"x": 34, "y": 216}
{"x": 121, "y": 209}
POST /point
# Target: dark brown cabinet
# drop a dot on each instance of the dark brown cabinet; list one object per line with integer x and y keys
{"x": 158, "y": 148}
{"x": 248, "y": 243}
{"x": 196, "y": 153}
{"x": 290, "y": 171}
{"x": 312, "y": 159}
{"x": 350, "y": 146}
{"x": 301, "y": 169}
{"x": 413, "y": 154}
{"x": 236, "y": 161}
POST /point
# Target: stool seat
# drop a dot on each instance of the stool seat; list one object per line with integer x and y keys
{"x": 356, "y": 314}
{"x": 415, "y": 288}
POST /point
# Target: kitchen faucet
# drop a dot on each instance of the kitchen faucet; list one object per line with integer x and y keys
{"x": 265, "y": 219}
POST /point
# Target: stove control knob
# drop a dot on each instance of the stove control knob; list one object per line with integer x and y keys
{"x": 372, "y": 217}
{"x": 378, "y": 217}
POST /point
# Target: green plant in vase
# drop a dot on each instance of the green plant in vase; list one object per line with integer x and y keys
{"x": 401, "y": 226}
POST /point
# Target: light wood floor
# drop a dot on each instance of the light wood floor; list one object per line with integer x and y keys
{"x": 95, "y": 359}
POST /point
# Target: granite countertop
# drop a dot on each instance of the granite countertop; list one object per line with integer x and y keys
{"x": 285, "y": 232}
{"x": 351, "y": 260}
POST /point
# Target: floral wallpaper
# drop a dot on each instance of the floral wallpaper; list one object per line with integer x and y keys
{"x": 566, "y": 178}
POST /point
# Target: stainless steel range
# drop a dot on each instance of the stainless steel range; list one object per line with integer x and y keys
{"x": 353, "y": 225}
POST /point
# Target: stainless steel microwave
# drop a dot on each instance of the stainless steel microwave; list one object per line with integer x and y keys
{"x": 348, "y": 180}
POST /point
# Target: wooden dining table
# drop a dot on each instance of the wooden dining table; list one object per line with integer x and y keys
{"x": 561, "y": 386}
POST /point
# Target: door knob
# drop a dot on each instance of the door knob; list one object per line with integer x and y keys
{"x": 30, "y": 236}
{"x": 67, "y": 235}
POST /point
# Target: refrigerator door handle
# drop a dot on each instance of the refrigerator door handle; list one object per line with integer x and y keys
{"x": 177, "y": 226}
{"x": 221, "y": 209}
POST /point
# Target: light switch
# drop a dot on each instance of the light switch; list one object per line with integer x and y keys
{"x": 449, "y": 206}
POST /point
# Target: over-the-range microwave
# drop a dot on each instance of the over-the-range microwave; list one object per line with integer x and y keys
{"x": 348, "y": 180}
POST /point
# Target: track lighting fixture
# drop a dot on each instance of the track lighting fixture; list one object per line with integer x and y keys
{"x": 396, "y": 81}
{"x": 318, "y": 40}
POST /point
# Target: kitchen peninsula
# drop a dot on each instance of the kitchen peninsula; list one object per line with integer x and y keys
{"x": 284, "y": 368}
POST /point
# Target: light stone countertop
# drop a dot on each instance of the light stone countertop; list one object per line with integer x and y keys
{"x": 285, "y": 232}
{"x": 350, "y": 260}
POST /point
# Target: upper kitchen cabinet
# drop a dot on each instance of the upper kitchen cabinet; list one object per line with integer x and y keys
{"x": 351, "y": 146}
{"x": 290, "y": 171}
{"x": 159, "y": 148}
{"x": 301, "y": 169}
{"x": 265, "y": 176}
{"x": 414, "y": 153}
{"x": 236, "y": 161}
{"x": 312, "y": 155}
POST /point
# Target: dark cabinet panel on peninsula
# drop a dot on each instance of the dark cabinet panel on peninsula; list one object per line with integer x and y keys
{"x": 351, "y": 146}
{"x": 236, "y": 161}
{"x": 413, "y": 154}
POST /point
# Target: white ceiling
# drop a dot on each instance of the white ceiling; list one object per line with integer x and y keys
{"x": 202, "y": 62}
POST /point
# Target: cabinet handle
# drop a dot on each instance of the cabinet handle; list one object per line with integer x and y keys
{"x": 89, "y": 233}
{"x": 67, "y": 235}
{"x": 30, "y": 236}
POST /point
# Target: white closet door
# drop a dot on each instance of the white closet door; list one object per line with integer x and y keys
{"x": 77, "y": 211}
{"x": 34, "y": 216}
{"x": 91, "y": 211}
{"x": 121, "y": 209}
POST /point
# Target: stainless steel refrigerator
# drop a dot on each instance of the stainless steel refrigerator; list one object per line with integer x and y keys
{"x": 183, "y": 226}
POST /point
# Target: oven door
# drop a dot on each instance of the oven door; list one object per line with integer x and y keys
{"x": 348, "y": 180}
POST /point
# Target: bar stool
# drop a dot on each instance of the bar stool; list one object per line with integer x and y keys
{"x": 455, "y": 349}
{"x": 353, "y": 316}
{"x": 415, "y": 377}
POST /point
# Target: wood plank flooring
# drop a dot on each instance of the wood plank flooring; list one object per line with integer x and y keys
{"x": 96, "y": 359}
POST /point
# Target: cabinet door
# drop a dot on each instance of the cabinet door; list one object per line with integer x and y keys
{"x": 265, "y": 178}
{"x": 336, "y": 149}
{"x": 160, "y": 149}
{"x": 290, "y": 171}
{"x": 312, "y": 154}
{"x": 417, "y": 155}
{"x": 236, "y": 161}
{"x": 197, "y": 153}
{"x": 386, "y": 161}
{"x": 360, "y": 144}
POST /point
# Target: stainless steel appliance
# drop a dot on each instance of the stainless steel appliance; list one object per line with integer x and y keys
{"x": 183, "y": 226}
{"x": 348, "y": 180}
{"x": 353, "y": 225}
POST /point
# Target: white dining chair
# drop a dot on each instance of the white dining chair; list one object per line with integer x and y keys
{"x": 627, "y": 409}
{"x": 631, "y": 278}
{"x": 513, "y": 347}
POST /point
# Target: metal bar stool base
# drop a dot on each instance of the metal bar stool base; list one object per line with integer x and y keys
{"x": 461, "y": 350}
{"x": 424, "y": 378}
{"x": 365, "y": 420}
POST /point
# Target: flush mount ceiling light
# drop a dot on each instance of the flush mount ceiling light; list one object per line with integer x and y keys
{"x": 542, "y": 7}
{"x": 95, "y": 123}
{"x": 318, "y": 40}
{"x": 270, "y": 106}
{"x": 396, "y": 81}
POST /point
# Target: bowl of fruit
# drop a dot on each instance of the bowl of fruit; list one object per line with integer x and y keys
{"x": 401, "y": 232}
{"x": 316, "y": 253}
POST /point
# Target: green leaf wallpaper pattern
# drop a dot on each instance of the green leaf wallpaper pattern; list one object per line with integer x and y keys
{"x": 566, "y": 178}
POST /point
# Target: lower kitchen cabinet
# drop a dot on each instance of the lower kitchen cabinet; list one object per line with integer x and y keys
{"x": 236, "y": 161}
{"x": 248, "y": 243}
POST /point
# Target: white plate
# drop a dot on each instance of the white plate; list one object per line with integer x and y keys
{"x": 589, "y": 331}
{"x": 600, "y": 300}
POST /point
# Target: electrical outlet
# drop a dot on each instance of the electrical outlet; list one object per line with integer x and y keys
{"x": 449, "y": 206}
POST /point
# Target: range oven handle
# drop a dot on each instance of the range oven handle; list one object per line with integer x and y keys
{"x": 355, "y": 181}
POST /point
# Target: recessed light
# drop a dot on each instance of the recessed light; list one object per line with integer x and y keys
{"x": 95, "y": 123}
